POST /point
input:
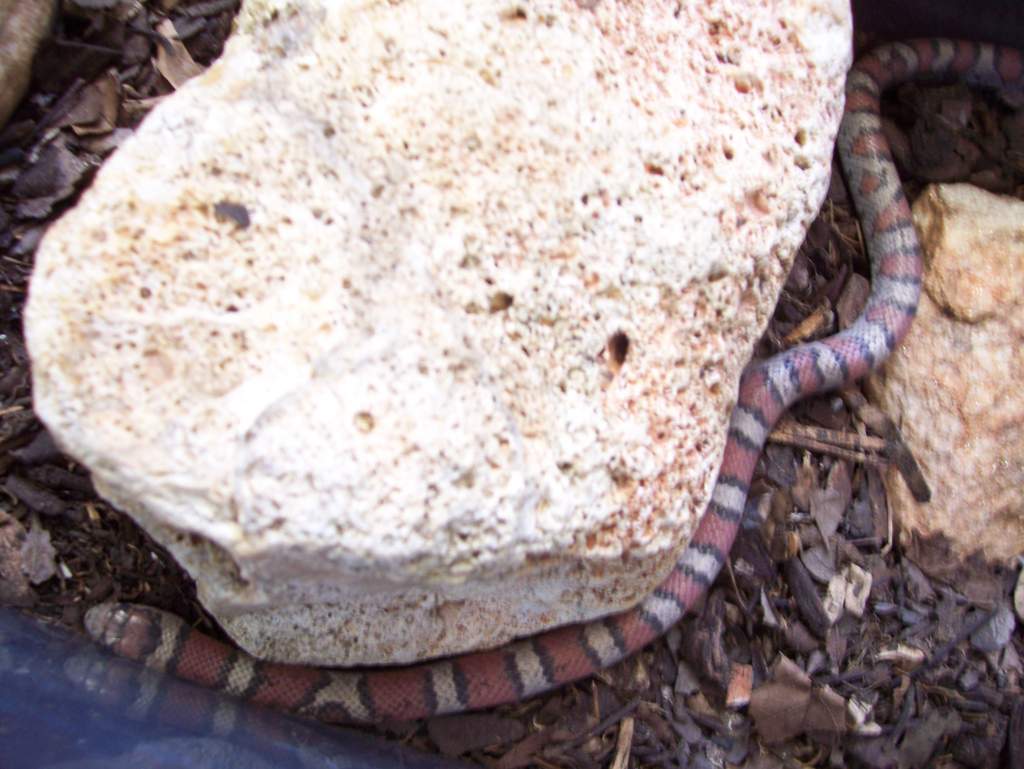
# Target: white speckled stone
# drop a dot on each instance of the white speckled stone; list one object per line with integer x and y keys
{"x": 385, "y": 420}
{"x": 954, "y": 383}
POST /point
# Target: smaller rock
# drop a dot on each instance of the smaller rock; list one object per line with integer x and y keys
{"x": 23, "y": 24}
{"x": 953, "y": 384}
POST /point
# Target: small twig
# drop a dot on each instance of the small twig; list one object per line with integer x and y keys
{"x": 624, "y": 744}
{"x": 64, "y": 43}
{"x": 896, "y": 449}
{"x": 841, "y": 438}
{"x": 848, "y": 676}
{"x": 211, "y": 8}
{"x": 866, "y": 541}
{"x": 909, "y": 697}
{"x": 845, "y": 445}
{"x": 943, "y": 651}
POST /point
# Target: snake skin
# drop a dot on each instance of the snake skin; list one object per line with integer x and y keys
{"x": 767, "y": 388}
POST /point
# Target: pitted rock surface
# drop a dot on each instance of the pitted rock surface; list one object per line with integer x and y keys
{"x": 954, "y": 383}
{"x": 412, "y": 327}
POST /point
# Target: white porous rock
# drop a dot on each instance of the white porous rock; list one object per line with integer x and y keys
{"x": 954, "y": 384}
{"x": 411, "y": 327}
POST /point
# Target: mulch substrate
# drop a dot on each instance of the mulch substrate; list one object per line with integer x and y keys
{"x": 829, "y": 639}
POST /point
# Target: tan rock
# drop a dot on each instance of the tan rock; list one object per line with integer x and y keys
{"x": 954, "y": 384}
{"x": 23, "y": 23}
{"x": 412, "y": 327}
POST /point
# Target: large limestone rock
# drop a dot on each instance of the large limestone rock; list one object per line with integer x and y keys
{"x": 23, "y": 24}
{"x": 414, "y": 326}
{"x": 955, "y": 382}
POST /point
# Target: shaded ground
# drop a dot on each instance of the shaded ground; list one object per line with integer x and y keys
{"x": 921, "y": 667}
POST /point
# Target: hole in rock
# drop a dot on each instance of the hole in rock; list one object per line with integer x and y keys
{"x": 618, "y": 349}
{"x": 500, "y": 301}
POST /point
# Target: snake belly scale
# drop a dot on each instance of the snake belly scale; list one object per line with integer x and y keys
{"x": 767, "y": 388}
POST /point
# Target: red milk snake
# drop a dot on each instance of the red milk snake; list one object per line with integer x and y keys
{"x": 767, "y": 388}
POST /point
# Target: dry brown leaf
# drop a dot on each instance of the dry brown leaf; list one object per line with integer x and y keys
{"x": 173, "y": 60}
{"x": 778, "y": 707}
{"x": 840, "y": 480}
{"x": 95, "y": 110}
{"x": 826, "y": 712}
{"x": 827, "y": 508}
{"x": 788, "y": 705}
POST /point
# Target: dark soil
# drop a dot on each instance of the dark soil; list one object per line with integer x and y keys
{"x": 761, "y": 677}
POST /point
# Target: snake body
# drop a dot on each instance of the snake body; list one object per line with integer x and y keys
{"x": 767, "y": 388}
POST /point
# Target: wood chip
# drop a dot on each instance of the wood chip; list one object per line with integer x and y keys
{"x": 996, "y": 632}
{"x": 807, "y": 599}
{"x": 820, "y": 563}
{"x": 741, "y": 680}
{"x": 906, "y": 657}
{"x": 858, "y": 589}
{"x": 624, "y": 744}
{"x": 35, "y": 497}
{"x": 52, "y": 178}
{"x": 818, "y": 324}
{"x": 835, "y": 598}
